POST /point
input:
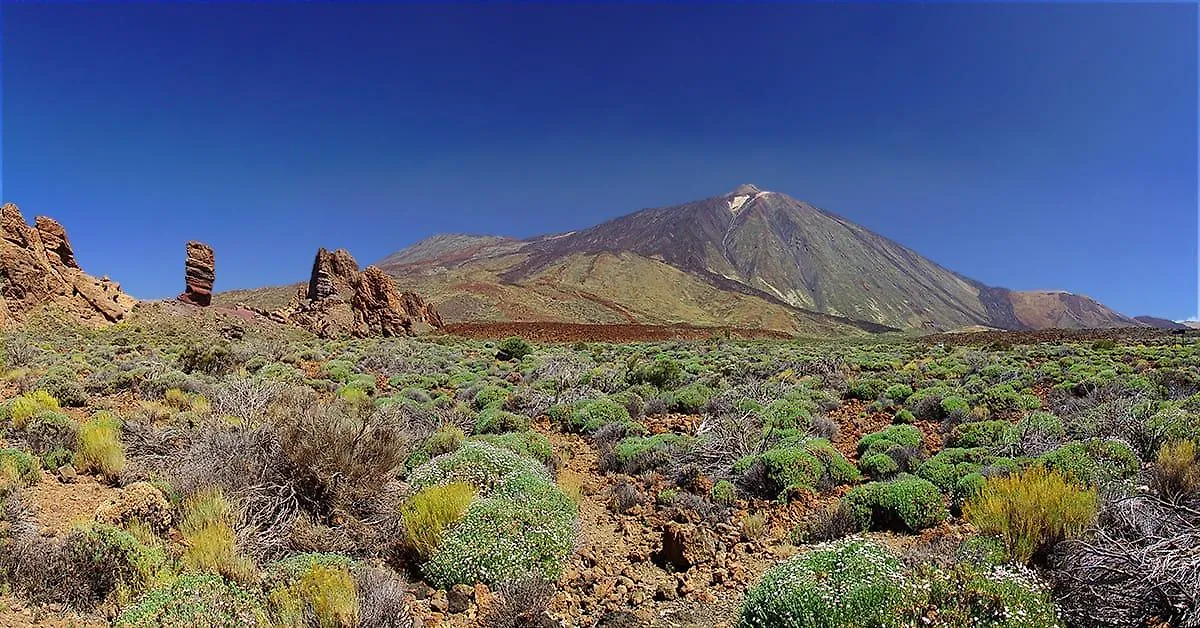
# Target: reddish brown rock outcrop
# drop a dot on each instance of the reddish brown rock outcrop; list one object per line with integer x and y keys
{"x": 200, "y": 271}
{"x": 38, "y": 268}
{"x": 340, "y": 300}
{"x": 332, "y": 274}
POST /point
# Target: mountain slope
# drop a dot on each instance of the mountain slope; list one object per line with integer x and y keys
{"x": 772, "y": 244}
{"x": 750, "y": 258}
{"x": 769, "y": 248}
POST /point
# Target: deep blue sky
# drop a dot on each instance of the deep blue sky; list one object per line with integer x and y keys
{"x": 1034, "y": 146}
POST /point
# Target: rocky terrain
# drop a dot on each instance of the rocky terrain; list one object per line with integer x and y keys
{"x": 341, "y": 300}
{"x": 38, "y": 270}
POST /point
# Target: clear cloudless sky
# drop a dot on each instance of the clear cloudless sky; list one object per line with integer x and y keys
{"x": 1027, "y": 146}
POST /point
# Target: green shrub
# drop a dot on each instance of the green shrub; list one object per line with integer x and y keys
{"x": 890, "y": 437}
{"x": 904, "y": 417}
{"x": 1094, "y": 462}
{"x": 663, "y": 373}
{"x": 210, "y": 358}
{"x": 195, "y": 600}
{"x": 950, "y": 465}
{"x": 723, "y": 492}
{"x": 527, "y": 443}
{"x": 126, "y": 561}
{"x": 635, "y": 454}
{"x": 979, "y": 434}
{"x": 526, "y": 526}
{"x": 56, "y": 458}
{"x": 802, "y": 466}
{"x": 838, "y": 470}
{"x": 786, "y": 415}
{"x": 690, "y": 399}
{"x": 496, "y": 421}
{"x": 905, "y": 503}
{"x": 879, "y": 466}
{"x": 490, "y": 397}
{"x": 633, "y": 402}
{"x": 62, "y": 383}
{"x": 1003, "y": 397}
{"x": 866, "y": 388}
{"x": 1031, "y": 511}
{"x": 897, "y": 393}
{"x": 514, "y": 348}
{"x": 954, "y": 403}
{"x": 1172, "y": 422}
{"x": 852, "y": 582}
{"x": 591, "y": 415}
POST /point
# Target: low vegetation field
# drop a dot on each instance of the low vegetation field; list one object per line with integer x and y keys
{"x": 183, "y": 469}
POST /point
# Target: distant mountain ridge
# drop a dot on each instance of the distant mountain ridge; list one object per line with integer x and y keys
{"x": 763, "y": 250}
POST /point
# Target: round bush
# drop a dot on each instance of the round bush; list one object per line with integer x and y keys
{"x": 496, "y": 421}
{"x": 852, "y": 582}
{"x": 590, "y": 415}
{"x": 906, "y": 503}
{"x": 785, "y": 414}
{"x": 1094, "y": 462}
{"x": 892, "y": 436}
{"x": 480, "y": 464}
{"x": 527, "y": 525}
{"x": 879, "y": 466}
{"x": 979, "y": 434}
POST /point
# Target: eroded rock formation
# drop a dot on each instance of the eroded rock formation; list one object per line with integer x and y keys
{"x": 340, "y": 300}
{"x": 200, "y": 270}
{"x": 38, "y": 268}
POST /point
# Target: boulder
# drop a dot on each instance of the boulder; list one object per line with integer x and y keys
{"x": 38, "y": 268}
{"x": 685, "y": 545}
{"x": 459, "y": 598}
{"x": 199, "y": 274}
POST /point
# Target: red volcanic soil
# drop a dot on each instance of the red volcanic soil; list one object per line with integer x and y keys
{"x": 624, "y": 332}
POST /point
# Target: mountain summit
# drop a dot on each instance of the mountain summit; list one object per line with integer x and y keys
{"x": 749, "y": 258}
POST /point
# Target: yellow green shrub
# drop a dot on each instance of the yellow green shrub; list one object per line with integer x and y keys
{"x": 181, "y": 401}
{"x": 17, "y": 468}
{"x": 28, "y": 405}
{"x": 177, "y": 399}
{"x": 1177, "y": 470}
{"x": 428, "y": 513}
{"x": 209, "y": 539}
{"x": 321, "y": 591}
{"x": 1031, "y": 511}
{"x": 98, "y": 445}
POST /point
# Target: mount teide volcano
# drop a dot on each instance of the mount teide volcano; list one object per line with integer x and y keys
{"x": 767, "y": 254}
{"x": 750, "y": 258}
